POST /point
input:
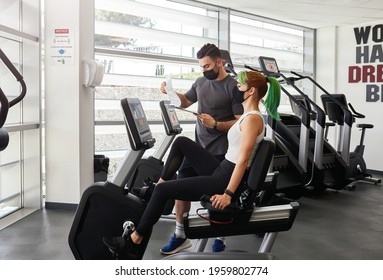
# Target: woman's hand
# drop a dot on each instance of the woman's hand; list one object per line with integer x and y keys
{"x": 220, "y": 201}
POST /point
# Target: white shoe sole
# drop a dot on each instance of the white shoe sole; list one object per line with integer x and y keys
{"x": 187, "y": 244}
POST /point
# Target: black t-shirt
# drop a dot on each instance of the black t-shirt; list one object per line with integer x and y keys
{"x": 216, "y": 99}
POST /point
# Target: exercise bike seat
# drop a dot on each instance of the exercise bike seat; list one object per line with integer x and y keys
{"x": 364, "y": 125}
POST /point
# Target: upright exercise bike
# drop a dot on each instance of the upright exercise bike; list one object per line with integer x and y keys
{"x": 357, "y": 168}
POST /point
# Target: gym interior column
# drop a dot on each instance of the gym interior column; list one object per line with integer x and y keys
{"x": 69, "y": 105}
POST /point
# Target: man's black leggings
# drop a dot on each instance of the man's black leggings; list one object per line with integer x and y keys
{"x": 213, "y": 177}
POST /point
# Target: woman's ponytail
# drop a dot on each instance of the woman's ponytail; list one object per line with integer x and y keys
{"x": 260, "y": 82}
{"x": 273, "y": 98}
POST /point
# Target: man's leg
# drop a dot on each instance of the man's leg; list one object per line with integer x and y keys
{"x": 219, "y": 244}
{"x": 182, "y": 207}
{"x": 178, "y": 240}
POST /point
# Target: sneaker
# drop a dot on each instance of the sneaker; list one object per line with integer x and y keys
{"x": 218, "y": 246}
{"x": 122, "y": 247}
{"x": 175, "y": 245}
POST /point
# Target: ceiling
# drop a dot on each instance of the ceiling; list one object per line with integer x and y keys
{"x": 310, "y": 13}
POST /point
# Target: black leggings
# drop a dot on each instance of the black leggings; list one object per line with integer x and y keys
{"x": 213, "y": 177}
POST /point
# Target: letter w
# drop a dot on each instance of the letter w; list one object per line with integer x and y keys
{"x": 362, "y": 33}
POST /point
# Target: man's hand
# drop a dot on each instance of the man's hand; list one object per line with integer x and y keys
{"x": 207, "y": 120}
{"x": 163, "y": 87}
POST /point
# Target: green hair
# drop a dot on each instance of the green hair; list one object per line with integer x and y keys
{"x": 259, "y": 81}
{"x": 273, "y": 98}
{"x": 242, "y": 77}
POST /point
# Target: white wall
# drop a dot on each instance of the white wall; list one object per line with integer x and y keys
{"x": 336, "y": 52}
{"x": 69, "y": 105}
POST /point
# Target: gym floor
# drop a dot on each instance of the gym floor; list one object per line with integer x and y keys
{"x": 336, "y": 225}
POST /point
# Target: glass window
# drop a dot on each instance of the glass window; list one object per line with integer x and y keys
{"x": 10, "y": 176}
{"x": 20, "y": 171}
{"x": 10, "y": 13}
{"x": 161, "y": 27}
{"x": 252, "y": 37}
{"x": 142, "y": 42}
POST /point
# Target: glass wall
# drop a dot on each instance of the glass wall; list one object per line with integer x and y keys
{"x": 253, "y": 36}
{"x": 142, "y": 42}
{"x": 20, "y": 172}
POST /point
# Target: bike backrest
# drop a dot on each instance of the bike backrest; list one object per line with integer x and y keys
{"x": 260, "y": 165}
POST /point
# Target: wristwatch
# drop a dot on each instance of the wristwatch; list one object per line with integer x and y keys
{"x": 229, "y": 193}
{"x": 215, "y": 125}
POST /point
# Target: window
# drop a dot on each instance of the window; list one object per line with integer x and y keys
{"x": 143, "y": 42}
{"x": 20, "y": 162}
{"x": 252, "y": 36}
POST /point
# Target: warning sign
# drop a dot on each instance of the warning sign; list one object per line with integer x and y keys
{"x": 61, "y": 47}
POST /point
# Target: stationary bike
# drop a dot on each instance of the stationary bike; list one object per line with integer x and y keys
{"x": 357, "y": 168}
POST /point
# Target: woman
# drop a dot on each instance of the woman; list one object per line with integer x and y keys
{"x": 221, "y": 181}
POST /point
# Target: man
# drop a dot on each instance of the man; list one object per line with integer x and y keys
{"x": 218, "y": 111}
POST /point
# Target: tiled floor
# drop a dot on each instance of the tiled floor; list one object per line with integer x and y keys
{"x": 335, "y": 225}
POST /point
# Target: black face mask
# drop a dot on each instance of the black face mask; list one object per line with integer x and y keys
{"x": 211, "y": 74}
{"x": 238, "y": 95}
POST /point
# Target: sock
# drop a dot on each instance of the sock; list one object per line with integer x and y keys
{"x": 222, "y": 239}
{"x": 180, "y": 230}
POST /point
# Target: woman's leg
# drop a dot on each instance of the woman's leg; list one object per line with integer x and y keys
{"x": 188, "y": 189}
{"x": 201, "y": 160}
{"x": 198, "y": 159}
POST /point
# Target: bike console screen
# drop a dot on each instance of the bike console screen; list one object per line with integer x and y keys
{"x": 139, "y": 118}
{"x": 137, "y": 125}
{"x": 170, "y": 118}
{"x": 269, "y": 65}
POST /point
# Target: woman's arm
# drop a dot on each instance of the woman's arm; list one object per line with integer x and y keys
{"x": 250, "y": 127}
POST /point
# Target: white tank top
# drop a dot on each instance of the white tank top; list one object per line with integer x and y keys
{"x": 234, "y": 137}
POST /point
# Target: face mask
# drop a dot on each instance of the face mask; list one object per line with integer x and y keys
{"x": 238, "y": 95}
{"x": 211, "y": 74}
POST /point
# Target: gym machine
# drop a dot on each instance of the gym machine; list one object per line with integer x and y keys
{"x": 289, "y": 162}
{"x": 329, "y": 168}
{"x": 288, "y": 170}
{"x": 104, "y": 205}
{"x": 341, "y": 113}
{"x": 106, "y": 210}
{"x": 5, "y": 104}
{"x": 336, "y": 108}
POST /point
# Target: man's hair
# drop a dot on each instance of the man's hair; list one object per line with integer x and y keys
{"x": 209, "y": 50}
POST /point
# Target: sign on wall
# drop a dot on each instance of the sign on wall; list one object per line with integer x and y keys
{"x": 368, "y": 68}
{"x": 61, "y": 47}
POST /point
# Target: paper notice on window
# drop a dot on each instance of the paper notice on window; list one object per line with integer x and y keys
{"x": 174, "y": 99}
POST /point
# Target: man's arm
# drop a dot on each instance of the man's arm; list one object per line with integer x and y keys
{"x": 225, "y": 126}
{"x": 184, "y": 101}
{"x": 210, "y": 122}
